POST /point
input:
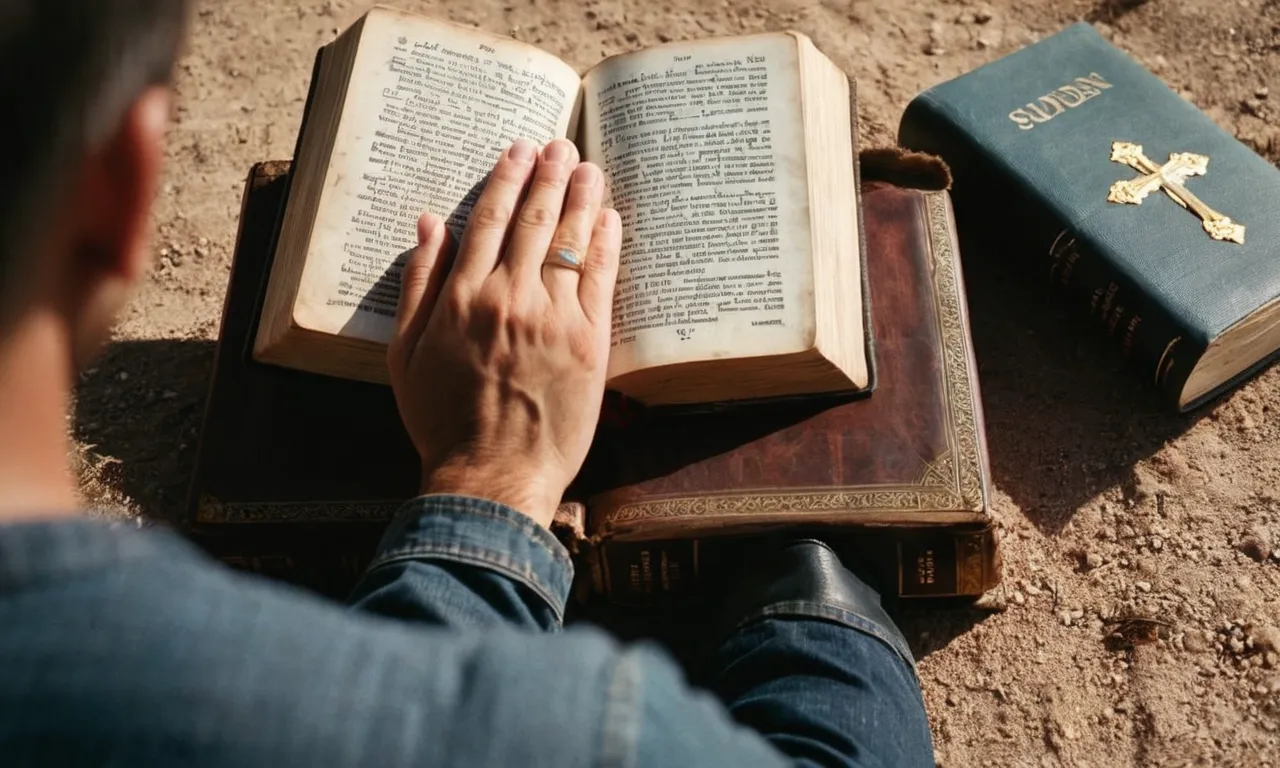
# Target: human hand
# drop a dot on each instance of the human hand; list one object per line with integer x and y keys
{"x": 498, "y": 362}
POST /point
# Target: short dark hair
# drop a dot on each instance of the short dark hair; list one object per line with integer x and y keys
{"x": 69, "y": 69}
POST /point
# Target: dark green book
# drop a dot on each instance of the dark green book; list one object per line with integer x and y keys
{"x": 1073, "y": 159}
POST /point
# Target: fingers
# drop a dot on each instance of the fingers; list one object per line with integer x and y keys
{"x": 421, "y": 280}
{"x": 491, "y": 216}
{"x": 536, "y": 222}
{"x": 581, "y": 211}
{"x": 601, "y": 269}
{"x": 422, "y": 276}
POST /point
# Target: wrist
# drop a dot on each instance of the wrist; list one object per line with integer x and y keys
{"x": 525, "y": 492}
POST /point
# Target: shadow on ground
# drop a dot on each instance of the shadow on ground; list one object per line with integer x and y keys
{"x": 1066, "y": 418}
{"x": 139, "y": 408}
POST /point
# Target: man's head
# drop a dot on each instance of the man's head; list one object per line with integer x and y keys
{"x": 84, "y": 84}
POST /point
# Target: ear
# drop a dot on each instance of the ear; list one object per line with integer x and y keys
{"x": 110, "y": 248}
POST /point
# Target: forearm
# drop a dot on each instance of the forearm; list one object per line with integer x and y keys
{"x": 460, "y": 561}
{"x": 816, "y": 667}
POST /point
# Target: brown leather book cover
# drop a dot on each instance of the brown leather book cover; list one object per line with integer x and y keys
{"x": 298, "y": 473}
{"x": 664, "y": 490}
{"x": 913, "y": 454}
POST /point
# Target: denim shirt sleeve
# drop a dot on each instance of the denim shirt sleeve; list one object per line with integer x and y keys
{"x": 128, "y": 648}
{"x": 809, "y": 658}
{"x": 464, "y": 562}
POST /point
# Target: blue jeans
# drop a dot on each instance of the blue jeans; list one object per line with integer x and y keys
{"x": 126, "y": 647}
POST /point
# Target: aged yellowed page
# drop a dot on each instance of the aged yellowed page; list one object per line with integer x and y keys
{"x": 704, "y": 147}
{"x": 429, "y": 108}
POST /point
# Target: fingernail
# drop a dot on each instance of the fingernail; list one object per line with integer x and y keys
{"x": 557, "y": 152}
{"x": 523, "y": 151}
{"x": 586, "y": 174}
{"x": 426, "y": 225}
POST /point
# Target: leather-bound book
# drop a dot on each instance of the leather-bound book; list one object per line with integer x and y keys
{"x": 1080, "y": 168}
{"x": 298, "y": 472}
{"x": 729, "y": 162}
{"x": 912, "y": 458}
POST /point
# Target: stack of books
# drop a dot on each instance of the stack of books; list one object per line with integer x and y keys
{"x": 791, "y": 348}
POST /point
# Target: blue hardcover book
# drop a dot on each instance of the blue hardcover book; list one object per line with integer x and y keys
{"x": 1158, "y": 223}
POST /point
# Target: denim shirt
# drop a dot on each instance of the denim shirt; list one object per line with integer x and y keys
{"x": 127, "y": 647}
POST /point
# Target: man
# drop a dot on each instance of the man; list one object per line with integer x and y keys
{"x": 123, "y": 647}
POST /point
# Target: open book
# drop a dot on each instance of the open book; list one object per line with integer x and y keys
{"x": 731, "y": 162}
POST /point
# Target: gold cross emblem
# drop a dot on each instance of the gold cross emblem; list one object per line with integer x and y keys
{"x": 1169, "y": 177}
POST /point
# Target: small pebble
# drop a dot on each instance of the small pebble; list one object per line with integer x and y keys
{"x": 1143, "y": 586}
{"x": 1262, "y": 93}
{"x": 1065, "y": 617}
{"x": 1194, "y": 643}
{"x": 1018, "y": 598}
{"x": 1093, "y": 560}
{"x": 1255, "y": 543}
{"x": 1267, "y": 639}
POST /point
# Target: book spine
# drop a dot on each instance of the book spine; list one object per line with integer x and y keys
{"x": 647, "y": 573}
{"x": 956, "y": 563}
{"x": 922, "y": 564}
{"x": 1003, "y": 211}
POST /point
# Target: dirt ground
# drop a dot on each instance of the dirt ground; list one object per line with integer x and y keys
{"x": 1111, "y": 507}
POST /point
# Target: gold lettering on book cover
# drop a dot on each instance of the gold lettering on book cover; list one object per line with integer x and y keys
{"x": 952, "y": 483}
{"x": 1059, "y": 100}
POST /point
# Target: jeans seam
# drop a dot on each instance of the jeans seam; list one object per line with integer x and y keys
{"x": 835, "y": 614}
{"x": 474, "y": 557}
